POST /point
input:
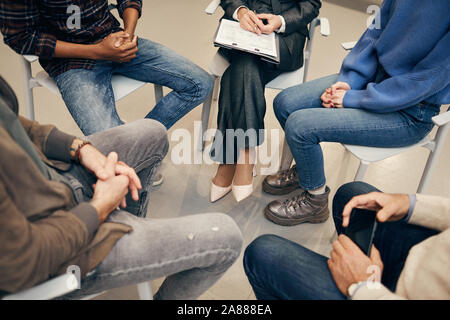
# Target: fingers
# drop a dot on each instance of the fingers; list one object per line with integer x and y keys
{"x": 359, "y": 202}
{"x": 110, "y": 165}
{"x": 264, "y": 16}
{"x": 340, "y": 86}
{"x": 257, "y": 23}
{"x": 120, "y": 38}
{"x": 326, "y": 100}
{"x": 251, "y": 22}
{"x": 385, "y": 213}
{"x": 130, "y": 45}
{"x": 123, "y": 182}
{"x": 135, "y": 182}
{"x": 338, "y": 248}
{"x": 348, "y": 244}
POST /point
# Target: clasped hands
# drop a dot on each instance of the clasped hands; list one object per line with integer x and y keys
{"x": 115, "y": 178}
{"x": 118, "y": 47}
{"x": 253, "y": 22}
{"x": 333, "y": 97}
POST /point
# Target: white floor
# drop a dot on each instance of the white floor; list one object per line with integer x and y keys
{"x": 182, "y": 26}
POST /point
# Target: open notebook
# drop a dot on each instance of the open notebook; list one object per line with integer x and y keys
{"x": 231, "y": 36}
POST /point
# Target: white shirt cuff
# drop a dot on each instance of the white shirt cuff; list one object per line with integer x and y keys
{"x": 283, "y": 25}
{"x": 235, "y": 16}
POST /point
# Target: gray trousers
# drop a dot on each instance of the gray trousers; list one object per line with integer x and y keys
{"x": 193, "y": 252}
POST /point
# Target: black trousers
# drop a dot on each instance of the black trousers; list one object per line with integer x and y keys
{"x": 242, "y": 104}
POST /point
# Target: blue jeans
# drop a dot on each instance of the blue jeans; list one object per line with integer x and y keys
{"x": 281, "y": 269}
{"x": 306, "y": 123}
{"x": 89, "y": 96}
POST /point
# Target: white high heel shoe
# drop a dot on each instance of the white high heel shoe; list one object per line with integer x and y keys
{"x": 217, "y": 192}
{"x": 243, "y": 192}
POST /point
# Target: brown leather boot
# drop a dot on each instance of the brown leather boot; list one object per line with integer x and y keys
{"x": 304, "y": 207}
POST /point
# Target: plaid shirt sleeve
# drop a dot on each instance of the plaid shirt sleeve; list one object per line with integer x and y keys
{"x": 124, "y": 4}
{"x": 19, "y": 26}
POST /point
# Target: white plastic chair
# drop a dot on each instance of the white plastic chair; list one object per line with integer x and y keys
{"x": 367, "y": 155}
{"x": 122, "y": 86}
{"x": 50, "y": 289}
{"x": 64, "y": 284}
{"x": 287, "y": 79}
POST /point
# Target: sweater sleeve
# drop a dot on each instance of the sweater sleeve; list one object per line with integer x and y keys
{"x": 426, "y": 79}
{"x": 33, "y": 251}
{"x": 360, "y": 66}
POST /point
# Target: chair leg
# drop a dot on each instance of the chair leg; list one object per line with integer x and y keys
{"x": 333, "y": 237}
{"x": 363, "y": 165}
{"x": 215, "y": 94}
{"x": 286, "y": 157}
{"x": 206, "y": 111}
{"x": 28, "y": 89}
{"x": 158, "y": 93}
{"x": 145, "y": 291}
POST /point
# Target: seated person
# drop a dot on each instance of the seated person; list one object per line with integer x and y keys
{"x": 390, "y": 86}
{"x": 242, "y": 105}
{"x": 82, "y": 58}
{"x": 409, "y": 253}
{"x": 59, "y": 199}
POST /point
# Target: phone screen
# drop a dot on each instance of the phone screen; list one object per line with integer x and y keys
{"x": 361, "y": 229}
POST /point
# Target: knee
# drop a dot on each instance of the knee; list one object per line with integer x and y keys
{"x": 204, "y": 86}
{"x": 228, "y": 235}
{"x": 301, "y": 128}
{"x": 280, "y": 107}
{"x": 345, "y": 193}
{"x": 260, "y": 254}
{"x": 351, "y": 189}
{"x": 151, "y": 135}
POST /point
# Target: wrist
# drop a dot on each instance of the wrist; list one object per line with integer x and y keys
{"x": 94, "y": 51}
{"x": 241, "y": 12}
{"x": 76, "y": 147}
{"x": 101, "y": 209}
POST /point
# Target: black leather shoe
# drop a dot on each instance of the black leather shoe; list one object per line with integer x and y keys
{"x": 304, "y": 207}
{"x": 281, "y": 183}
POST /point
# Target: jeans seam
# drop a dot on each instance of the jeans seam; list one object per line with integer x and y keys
{"x": 164, "y": 264}
{"x": 181, "y": 77}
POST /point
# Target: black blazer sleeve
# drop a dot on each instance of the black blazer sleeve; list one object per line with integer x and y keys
{"x": 230, "y": 6}
{"x": 298, "y": 17}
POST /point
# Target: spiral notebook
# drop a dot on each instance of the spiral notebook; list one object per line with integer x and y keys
{"x": 230, "y": 35}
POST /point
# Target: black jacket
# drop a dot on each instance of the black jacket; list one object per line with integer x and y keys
{"x": 297, "y": 14}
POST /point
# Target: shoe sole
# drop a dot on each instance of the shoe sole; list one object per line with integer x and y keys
{"x": 267, "y": 188}
{"x": 320, "y": 218}
{"x": 158, "y": 182}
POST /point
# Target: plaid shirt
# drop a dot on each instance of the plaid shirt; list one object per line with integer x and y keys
{"x": 33, "y": 27}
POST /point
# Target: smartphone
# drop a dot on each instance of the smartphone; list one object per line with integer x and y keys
{"x": 361, "y": 229}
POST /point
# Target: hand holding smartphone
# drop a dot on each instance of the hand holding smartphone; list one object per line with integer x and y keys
{"x": 361, "y": 229}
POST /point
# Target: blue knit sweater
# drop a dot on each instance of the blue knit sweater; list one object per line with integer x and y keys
{"x": 413, "y": 48}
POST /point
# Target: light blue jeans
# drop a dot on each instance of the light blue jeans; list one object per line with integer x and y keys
{"x": 307, "y": 123}
{"x": 89, "y": 96}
